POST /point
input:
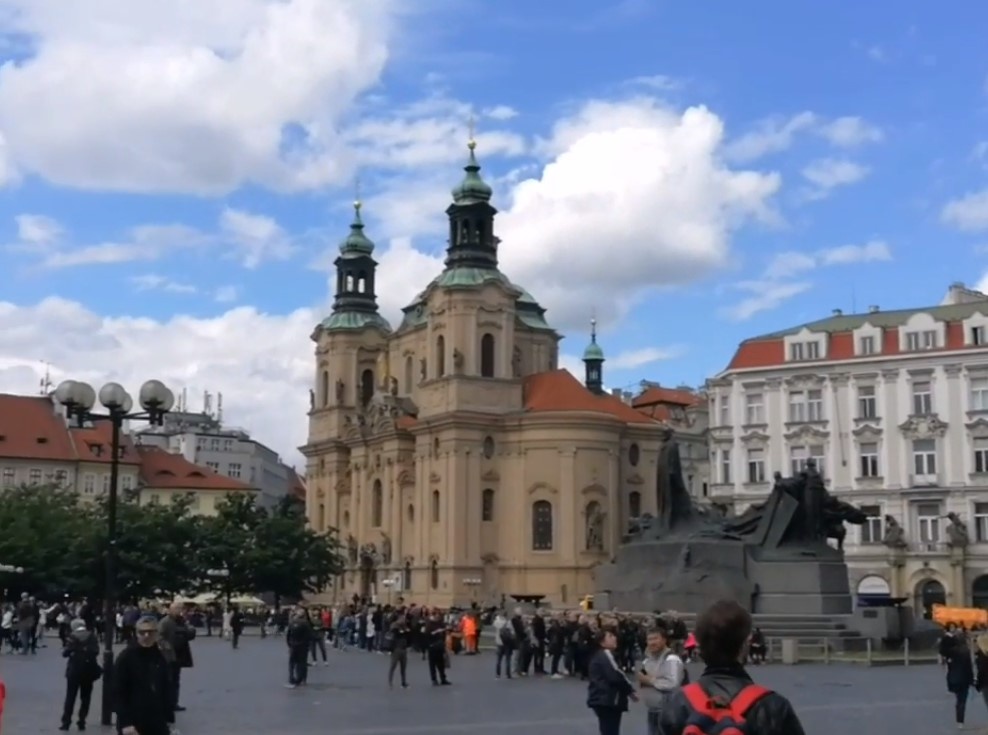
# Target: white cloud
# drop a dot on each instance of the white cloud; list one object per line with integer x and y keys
{"x": 261, "y": 363}
{"x": 187, "y": 96}
{"x": 501, "y": 112}
{"x": 827, "y": 174}
{"x": 155, "y": 282}
{"x": 656, "y": 82}
{"x": 226, "y": 294}
{"x": 969, "y": 213}
{"x": 634, "y": 359}
{"x": 777, "y": 134}
{"x": 258, "y": 237}
{"x": 849, "y": 132}
{"x": 776, "y": 285}
{"x": 37, "y": 229}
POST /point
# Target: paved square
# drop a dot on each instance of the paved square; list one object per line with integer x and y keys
{"x": 241, "y": 693}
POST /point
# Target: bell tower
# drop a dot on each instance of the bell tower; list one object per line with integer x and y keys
{"x": 593, "y": 360}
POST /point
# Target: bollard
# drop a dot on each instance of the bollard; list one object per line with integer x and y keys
{"x": 826, "y": 650}
{"x": 905, "y": 652}
{"x": 868, "y": 651}
{"x": 790, "y": 651}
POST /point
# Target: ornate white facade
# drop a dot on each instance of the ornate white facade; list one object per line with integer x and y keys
{"x": 894, "y": 408}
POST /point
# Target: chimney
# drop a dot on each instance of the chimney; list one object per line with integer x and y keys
{"x": 838, "y": 312}
{"x": 873, "y": 309}
{"x": 616, "y": 392}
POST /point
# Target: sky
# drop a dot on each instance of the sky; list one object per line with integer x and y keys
{"x": 176, "y": 177}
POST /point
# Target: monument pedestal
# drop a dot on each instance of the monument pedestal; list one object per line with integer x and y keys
{"x": 801, "y": 586}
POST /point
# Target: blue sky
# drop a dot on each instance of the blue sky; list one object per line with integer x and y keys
{"x": 175, "y": 180}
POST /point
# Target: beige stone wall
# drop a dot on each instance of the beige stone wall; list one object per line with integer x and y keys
{"x": 204, "y": 502}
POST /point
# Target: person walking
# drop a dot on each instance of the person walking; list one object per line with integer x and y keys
{"x": 298, "y": 636}
{"x": 82, "y": 670}
{"x": 956, "y": 654}
{"x": 435, "y": 631}
{"x": 236, "y": 625}
{"x": 398, "y": 638}
{"x": 175, "y": 637}
{"x": 142, "y": 681}
{"x": 608, "y": 689}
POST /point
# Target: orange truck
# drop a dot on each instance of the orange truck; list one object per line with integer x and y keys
{"x": 963, "y": 617}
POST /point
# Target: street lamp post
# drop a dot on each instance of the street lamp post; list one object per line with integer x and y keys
{"x": 78, "y": 399}
{"x": 221, "y": 573}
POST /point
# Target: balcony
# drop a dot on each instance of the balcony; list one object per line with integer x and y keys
{"x": 929, "y": 547}
{"x": 926, "y": 480}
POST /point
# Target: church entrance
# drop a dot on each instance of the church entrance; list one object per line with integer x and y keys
{"x": 929, "y": 592}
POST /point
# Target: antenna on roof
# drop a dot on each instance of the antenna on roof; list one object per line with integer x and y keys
{"x": 219, "y": 408}
{"x": 854, "y": 299}
{"x": 46, "y": 383}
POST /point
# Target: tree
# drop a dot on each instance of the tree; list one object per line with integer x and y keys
{"x": 49, "y": 533}
{"x": 228, "y": 541}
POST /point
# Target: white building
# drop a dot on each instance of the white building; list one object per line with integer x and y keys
{"x": 202, "y": 439}
{"x": 893, "y": 405}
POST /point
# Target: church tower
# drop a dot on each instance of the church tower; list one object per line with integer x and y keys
{"x": 593, "y": 359}
{"x": 472, "y": 243}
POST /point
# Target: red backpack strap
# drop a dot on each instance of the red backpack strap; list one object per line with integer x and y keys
{"x": 746, "y": 699}
{"x": 699, "y": 700}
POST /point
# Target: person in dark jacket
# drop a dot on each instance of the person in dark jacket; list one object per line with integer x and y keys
{"x": 608, "y": 690}
{"x": 722, "y": 635}
{"x": 236, "y": 625}
{"x": 960, "y": 672}
{"x": 298, "y": 636}
{"x": 981, "y": 666}
{"x": 175, "y": 640}
{"x": 81, "y": 671}
{"x": 435, "y": 632}
{"x": 142, "y": 682}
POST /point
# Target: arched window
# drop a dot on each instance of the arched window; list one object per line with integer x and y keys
{"x": 929, "y": 592}
{"x": 361, "y": 282}
{"x": 440, "y": 356}
{"x": 406, "y": 576}
{"x": 487, "y": 505}
{"x": 409, "y": 374}
{"x": 434, "y": 575}
{"x": 411, "y": 513}
{"x": 542, "y": 525}
{"x": 634, "y": 504}
{"x": 487, "y": 356}
{"x": 346, "y": 519}
{"x": 435, "y": 506}
{"x": 377, "y": 505}
{"x": 324, "y": 388}
{"x": 348, "y": 282}
{"x": 366, "y": 387}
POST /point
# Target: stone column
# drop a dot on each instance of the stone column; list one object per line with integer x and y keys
{"x": 775, "y": 417}
{"x": 614, "y": 495}
{"x": 957, "y": 595}
{"x": 897, "y": 563}
{"x": 953, "y": 447}
{"x": 892, "y": 442}
{"x": 568, "y": 501}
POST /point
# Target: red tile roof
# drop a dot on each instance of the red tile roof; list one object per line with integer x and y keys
{"x": 558, "y": 390}
{"x": 161, "y": 470}
{"x": 92, "y": 444}
{"x": 31, "y": 428}
{"x": 658, "y": 402}
{"x": 296, "y": 485}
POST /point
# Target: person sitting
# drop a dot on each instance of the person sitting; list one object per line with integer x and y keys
{"x": 757, "y": 649}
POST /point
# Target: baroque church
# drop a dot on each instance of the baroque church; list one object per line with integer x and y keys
{"x": 457, "y": 462}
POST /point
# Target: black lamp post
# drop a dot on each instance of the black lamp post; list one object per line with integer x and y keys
{"x": 8, "y": 569}
{"x": 79, "y": 399}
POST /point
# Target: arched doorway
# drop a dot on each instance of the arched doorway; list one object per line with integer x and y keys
{"x": 929, "y": 592}
{"x": 979, "y": 592}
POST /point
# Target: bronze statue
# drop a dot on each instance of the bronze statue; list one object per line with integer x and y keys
{"x": 895, "y": 535}
{"x": 957, "y": 534}
{"x": 673, "y": 501}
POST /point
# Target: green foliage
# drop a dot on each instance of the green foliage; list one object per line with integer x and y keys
{"x": 162, "y": 550}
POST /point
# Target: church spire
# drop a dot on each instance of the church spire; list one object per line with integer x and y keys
{"x": 593, "y": 359}
{"x": 356, "y": 270}
{"x": 472, "y": 243}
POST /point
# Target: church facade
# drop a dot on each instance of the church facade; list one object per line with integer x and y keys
{"x": 453, "y": 457}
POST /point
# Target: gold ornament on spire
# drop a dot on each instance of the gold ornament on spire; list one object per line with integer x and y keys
{"x": 472, "y": 142}
{"x": 357, "y": 204}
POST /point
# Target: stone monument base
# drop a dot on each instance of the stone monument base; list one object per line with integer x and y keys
{"x": 690, "y": 574}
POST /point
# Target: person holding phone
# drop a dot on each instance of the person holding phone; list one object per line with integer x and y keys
{"x": 608, "y": 689}
{"x": 662, "y": 672}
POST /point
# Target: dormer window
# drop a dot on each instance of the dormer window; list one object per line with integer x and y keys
{"x": 96, "y": 449}
{"x": 866, "y": 345}
{"x": 922, "y": 340}
{"x": 978, "y": 336}
{"x": 804, "y": 351}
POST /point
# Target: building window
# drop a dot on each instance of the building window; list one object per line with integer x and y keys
{"x": 214, "y": 466}
{"x": 487, "y": 356}
{"x": 34, "y": 477}
{"x": 542, "y": 525}
{"x": 201, "y": 445}
{"x": 725, "y": 410}
{"x": 754, "y": 408}
{"x": 756, "y": 465}
{"x": 228, "y": 445}
{"x": 818, "y": 454}
{"x": 797, "y": 459}
{"x": 805, "y": 406}
{"x": 634, "y": 454}
{"x": 925, "y": 340}
{"x": 106, "y": 483}
{"x": 434, "y": 575}
{"x": 981, "y": 522}
{"x": 377, "y": 505}
{"x": 867, "y": 402}
{"x": 981, "y": 456}
{"x": 634, "y": 504}
{"x": 154, "y": 499}
{"x": 925, "y": 457}
{"x": 804, "y": 351}
{"x": 977, "y": 336}
{"x": 487, "y": 505}
{"x": 61, "y": 477}
{"x": 440, "y": 356}
{"x": 324, "y": 388}
{"x": 869, "y": 460}
{"x": 866, "y": 345}
{"x": 435, "y": 506}
{"x": 922, "y": 398}
{"x": 812, "y": 350}
{"x": 366, "y": 387}
{"x": 489, "y": 447}
{"x": 214, "y": 444}
{"x": 796, "y": 351}
{"x": 814, "y": 405}
{"x": 928, "y": 522}
{"x": 127, "y": 482}
{"x": 89, "y": 484}
{"x": 979, "y": 394}
{"x": 233, "y": 470}
{"x": 872, "y": 530}
{"x": 8, "y": 476}
{"x": 725, "y": 466}
{"x": 409, "y": 374}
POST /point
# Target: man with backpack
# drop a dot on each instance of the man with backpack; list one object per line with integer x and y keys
{"x": 724, "y": 700}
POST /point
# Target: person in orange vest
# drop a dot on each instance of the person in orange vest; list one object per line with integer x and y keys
{"x": 470, "y": 633}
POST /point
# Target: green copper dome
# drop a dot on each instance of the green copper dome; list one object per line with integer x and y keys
{"x": 356, "y": 243}
{"x": 593, "y": 353}
{"x": 472, "y": 189}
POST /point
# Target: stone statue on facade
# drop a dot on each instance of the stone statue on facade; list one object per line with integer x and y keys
{"x": 423, "y": 369}
{"x": 351, "y": 548}
{"x": 673, "y": 499}
{"x": 385, "y": 548}
{"x": 312, "y": 399}
{"x": 895, "y": 535}
{"x": 339, "y": 390}
{"x": 383, "y": 370}
{"x": 368, "y": 554}
{"x": 595, "y": 529}
{"x": 516, "y": 362}
{"x": 457, "y": 359}
{"x": 957, "y": 534}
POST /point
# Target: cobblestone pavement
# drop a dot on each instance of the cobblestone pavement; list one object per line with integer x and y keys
{"x": 241, "y": 693}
